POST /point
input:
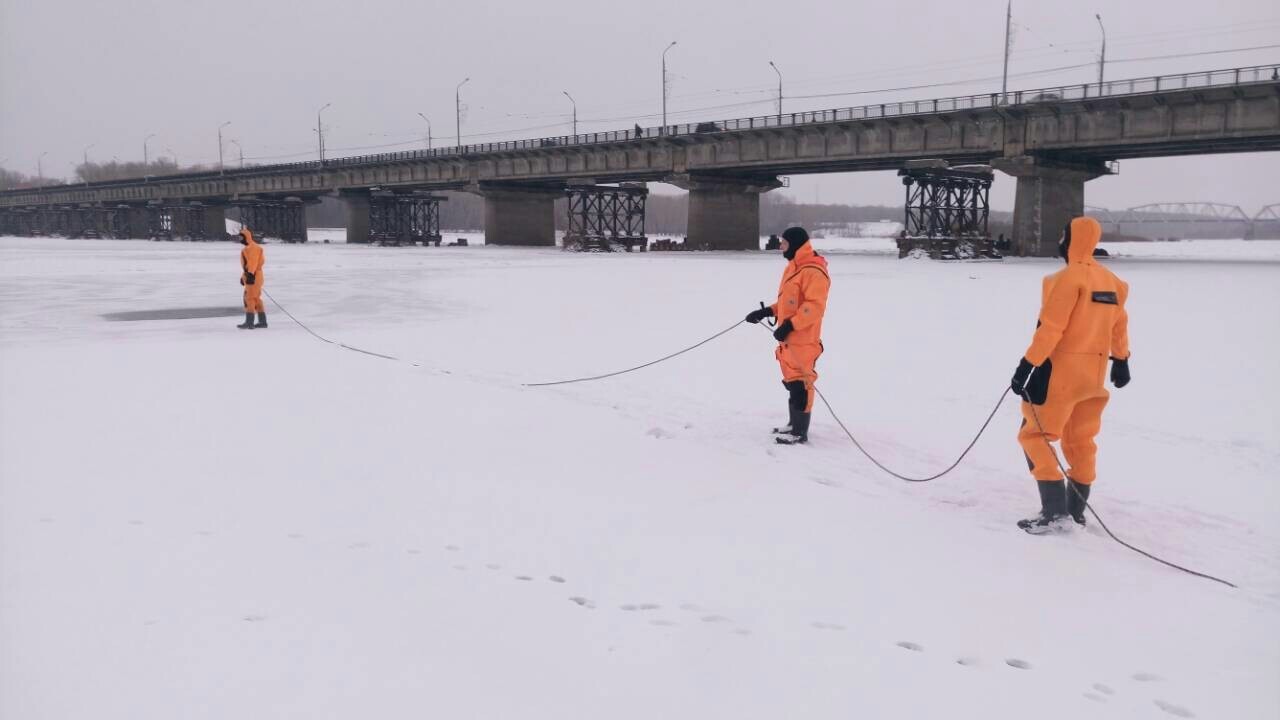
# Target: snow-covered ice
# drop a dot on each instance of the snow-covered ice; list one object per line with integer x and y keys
{"x": 202, "y": 522}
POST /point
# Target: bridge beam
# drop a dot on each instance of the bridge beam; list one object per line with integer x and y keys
{"x": 724, "y": 214}
{"x": 1048, "y": 196}
{"x": 520, "y": 217}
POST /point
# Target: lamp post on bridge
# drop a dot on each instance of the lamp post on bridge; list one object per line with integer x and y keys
{"x": 144, "y": 151}
{"x": 664, "y": 86}
{"x": 40, "y": 167}
{"x": 320, "y": 133}
{"x": 775, "y": 69}
{"x": 575, "y": 111}
{"x": 241, "y": 149}
{"x": 428, "y": 122}
{"x": 85, "y": 166}
{"x": 1102, "y": 59}
{"x": 457, "y": 109}
{"x": 174, "y": 155}
{"x": 220, "y": 145}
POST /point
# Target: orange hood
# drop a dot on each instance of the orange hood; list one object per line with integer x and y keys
{"x": 1085, "y": 234}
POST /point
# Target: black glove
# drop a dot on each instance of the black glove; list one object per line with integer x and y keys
{"x": 252, "y": 278}
{"x": 1031, "y": 383}
{"x": 756, "y": 316}
{"x": 783, "y": 330}
{"x": 1120, "y": 372}
{"x": 242, "y": 280}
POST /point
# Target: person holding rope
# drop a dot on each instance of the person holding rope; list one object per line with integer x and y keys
{"x": 799, "y": 309}
{"x": 252, "y": 258}
{"x": 1060, "y": 378}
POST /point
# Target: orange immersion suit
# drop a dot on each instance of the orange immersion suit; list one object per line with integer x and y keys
{"x": 802, "y": 299}
{"x": 1082, "y": 323}
{"x": 252, "y": 259}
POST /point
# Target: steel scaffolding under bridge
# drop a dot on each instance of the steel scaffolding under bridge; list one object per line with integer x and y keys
{"x": 601, "y": 216}
{"x": 947, "y": 209}
{"x": 404, "y": 218}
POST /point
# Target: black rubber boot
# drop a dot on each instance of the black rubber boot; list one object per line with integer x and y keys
{"x": 1053, "y": 508}
{"x": 262, "y": 320}
{"x": 799, "y": 434}
{"x": 1077, "y": 497}
{"x": 248, "y": 322}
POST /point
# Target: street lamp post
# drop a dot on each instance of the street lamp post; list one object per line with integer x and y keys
{"x": 428, "y": 122}
{"x": 575, "y": 111}
{"x": 320, "y": 133}
{"x": 1102, "y": 59}
{"x": 220, "y": 144}
{"x": 40, "y": 167}
{"x": 241, "y": 149}
{"x": 174, "y": 155}
{"x": 457, "y": 109}
{"x": 664, "y": 86}
{"x": 144, "y": 151}
{"x": 775, "y": 69}
{"x": 85, "y": 166}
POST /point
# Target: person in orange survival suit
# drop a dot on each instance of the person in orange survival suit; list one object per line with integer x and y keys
{"x": 1082, "y": 322}
{"x": 801, "y": 304}
{"x": 252, "y": 258}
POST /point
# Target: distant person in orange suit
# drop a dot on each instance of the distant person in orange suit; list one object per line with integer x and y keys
{"x": 252, "y": 258}
{"x": 1083, "y": 322}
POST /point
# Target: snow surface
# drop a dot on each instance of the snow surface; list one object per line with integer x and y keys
{"x": 202, "y": 522}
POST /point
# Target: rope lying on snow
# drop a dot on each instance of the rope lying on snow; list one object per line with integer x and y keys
{"x": 1107, "y": 530}
{"x": 831, "y": 410}
{"x": 322, "y": 338}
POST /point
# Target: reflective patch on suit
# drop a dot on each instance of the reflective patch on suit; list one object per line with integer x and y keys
{"x": 1106, "y": 298}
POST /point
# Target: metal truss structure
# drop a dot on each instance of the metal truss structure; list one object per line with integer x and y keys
{"x": 283, "y": 219}
{"x": 405, "y": 219}
{"x": 602, "y": 216}
{"x": 947, "y": 211}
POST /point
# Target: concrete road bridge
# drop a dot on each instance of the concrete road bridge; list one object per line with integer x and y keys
{"x": 1051, "y": 140}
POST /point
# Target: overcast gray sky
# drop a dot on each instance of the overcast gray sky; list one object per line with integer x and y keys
{"x": 75, "y": 73}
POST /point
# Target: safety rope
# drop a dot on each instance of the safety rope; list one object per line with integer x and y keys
{"x": 1106, "y": 529}
{"x": 834, "y": 416}
{"x": 638, "y": 367}
{"x": 322, "y": 338}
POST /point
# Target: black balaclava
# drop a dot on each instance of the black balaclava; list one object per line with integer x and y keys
{"x": 795, "y": 237}
{"x": 1064, "y": 245}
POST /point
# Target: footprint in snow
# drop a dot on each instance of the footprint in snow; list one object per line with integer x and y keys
{"x": 1147, "y": 677}
{"x": 556, "y": 579}
{"x": 691, "y": 607}
{"x": 583, "y": 602}
{"x": 630, "y": 607}
{"x": 967, "y": 661}
{"x": 826, "y": 482}
{"x": 662, "y": 623}
{"x": 1104, "y": 689}
{"x": 1016, "y": 663}
{"x": 1095, "y": 697}
{"x": 1175, "y": 710}
{"x": 741, "y": 631}
{"x": 714, "y": 619}
{"x": 524, "y": 578}
{"x": 462, "y": 568}
{"x": 254, "y": 618}
{"x": 659, "y": 434}
{"x": 826, "y": 626}
{"x": 914, "y": 647}
{"x": 414, "y": 551}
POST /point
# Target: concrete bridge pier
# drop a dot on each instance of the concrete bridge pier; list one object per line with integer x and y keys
{"x": 1048, "y": 196}
{"x": 724, "y": 214}
{"x": 520, "y": 217}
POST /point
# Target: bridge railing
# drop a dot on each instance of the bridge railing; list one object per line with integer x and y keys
{"x": 985, "y": 101}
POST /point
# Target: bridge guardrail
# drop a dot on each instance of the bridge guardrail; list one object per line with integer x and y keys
{"x": 985, "y": 101}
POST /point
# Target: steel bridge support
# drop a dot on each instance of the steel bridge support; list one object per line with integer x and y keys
{"x": 601, "y": 216}
{"x": 404, "y": 218}
{"x": 1048, "y": 196}
{"x": 284, "y": 219}
{"x": 946, "y": 211}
